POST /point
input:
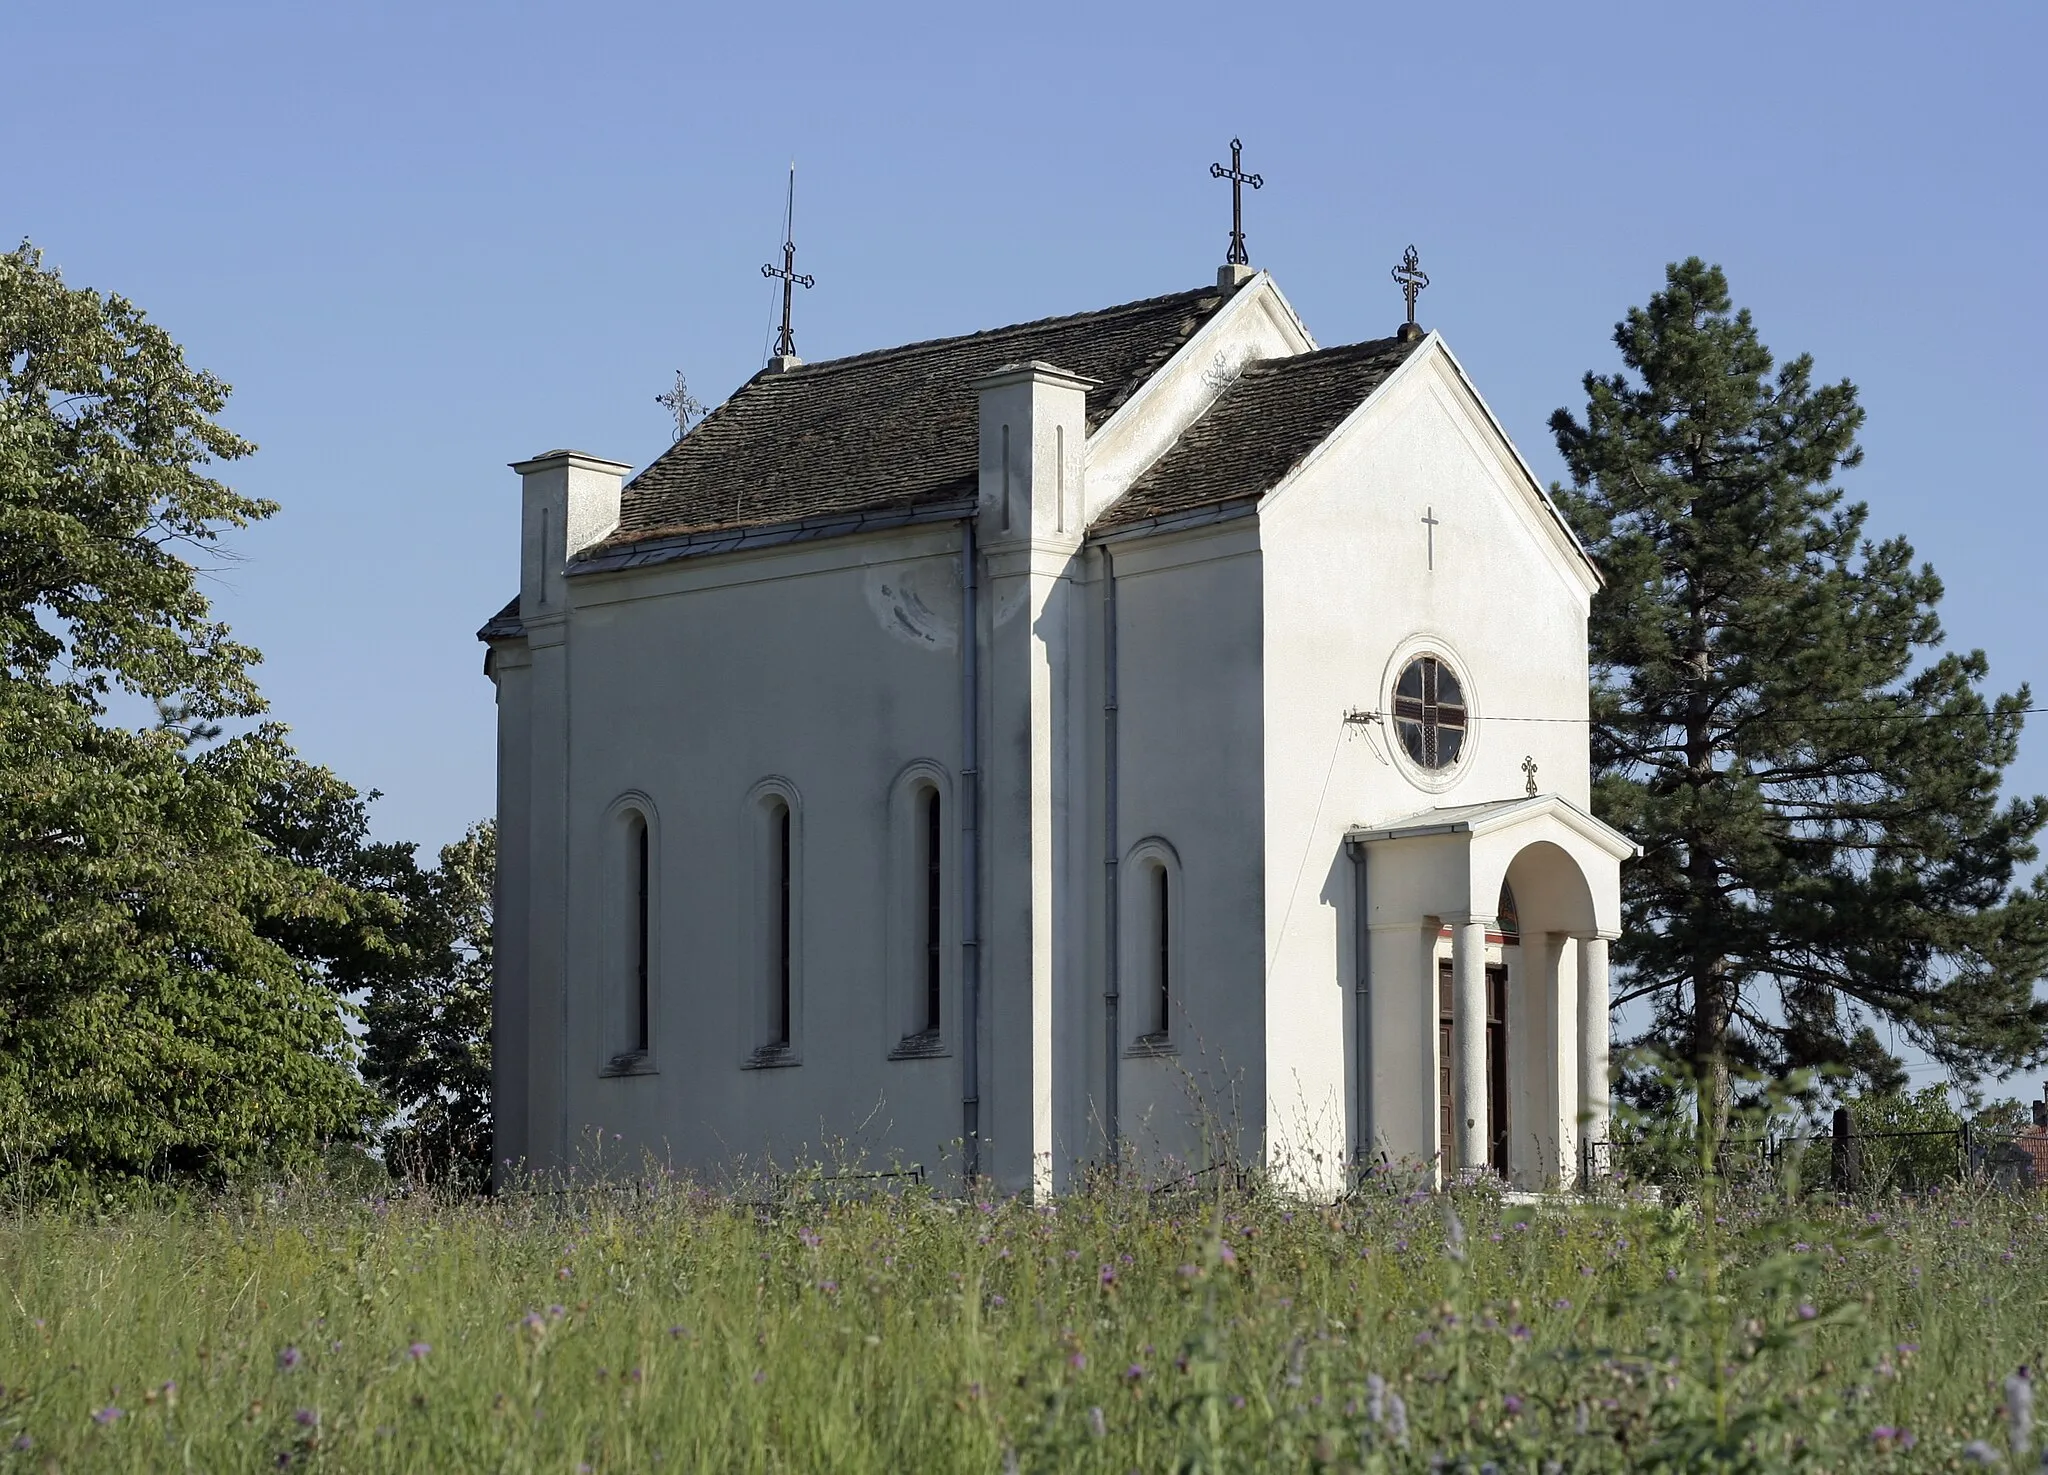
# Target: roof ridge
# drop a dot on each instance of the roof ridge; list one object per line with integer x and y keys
{"x": 872, "y": 355}
{"x": 1364, "y": 348}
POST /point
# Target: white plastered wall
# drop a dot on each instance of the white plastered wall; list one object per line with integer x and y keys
{"x": 821, "y": 668}
{"x": 1350, "y": 595}
{"x": 1189, "y": 777}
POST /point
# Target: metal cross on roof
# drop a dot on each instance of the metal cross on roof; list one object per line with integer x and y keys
{"x": 1529, "y": 770}
{"x": 681, "y": 405}
{"x": 1238, "y": 180}
{"x": 785, "y": 343}
{"x": 1412, "y": 278}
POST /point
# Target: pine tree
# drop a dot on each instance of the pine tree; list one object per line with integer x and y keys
{"x": 1813, "y": 777}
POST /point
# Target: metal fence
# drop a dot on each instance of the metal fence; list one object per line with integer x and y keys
{"x": 1845, "y": 1161}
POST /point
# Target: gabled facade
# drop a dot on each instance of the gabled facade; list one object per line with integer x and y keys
{"x": 1144, "y": 728}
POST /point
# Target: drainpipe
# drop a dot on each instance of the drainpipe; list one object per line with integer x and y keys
{"x": 1111, "y": 921}
{"x": 970, "y": 857}
{"x": 1361, "y": 1027}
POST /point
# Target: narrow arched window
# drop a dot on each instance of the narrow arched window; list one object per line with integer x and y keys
{"x": 642, "y": 885}
{"x": 934, "y": 910}
{"x": 1162, "y": 951}
{"x": 782, "y": 908}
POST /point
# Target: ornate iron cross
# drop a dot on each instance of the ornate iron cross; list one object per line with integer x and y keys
{"x": 1412, "y": 278}
{"x": 785, "y": 342}
{"x": 1238, "y": 180}
{"x": 1529, "y": 771}
{"x": 681, "y": 405}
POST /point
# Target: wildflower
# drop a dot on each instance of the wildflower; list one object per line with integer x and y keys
{"x": 534, "y": 1322}
{"x": 1885, "y": 1437}
{"x": 998, "y": 1300}
{"x": 2019, "y": 1410}
{"x": 106, "y": 1415}
{"x": 418, "y": 1351}
{"x": 760, "y": 1376}
{"x": 1512, "y": 1403}
{"x": 1096, "y": 1426}
{"x": 557, "y": 1312}
{"x": 1561, "y": 1304}
{"x": 1519, "y": 1333}
{"x": 1107, "y": 1277}
{"x": 24, "y": 1442}
{"x": 1226, "y": 1254}
{"x": 306, "y": 1418}
{"x": 1134, "y": 1372}
{"x": 1188, "y": 1271}
{"x": 811, "y": 1238}
{"x": 288, "y": 1359}
{"x": 1237, "y": 1400}
{"x": 1806, "y": 1311}
{"x": 1977, "y": 1452}
{"x": 1077, "y": 1361}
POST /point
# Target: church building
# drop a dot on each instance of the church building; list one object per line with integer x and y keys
{"x": 1146, "y": 732}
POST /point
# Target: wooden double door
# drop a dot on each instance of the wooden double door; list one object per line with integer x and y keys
{"x": 1496, "y": 1067}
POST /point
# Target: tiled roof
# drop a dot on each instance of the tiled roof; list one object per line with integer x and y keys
{"x": 1259, "y": 429}
{"x": 892, "y": 430}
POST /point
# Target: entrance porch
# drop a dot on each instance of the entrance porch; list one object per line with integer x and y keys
{"x": 1483, "y": 988}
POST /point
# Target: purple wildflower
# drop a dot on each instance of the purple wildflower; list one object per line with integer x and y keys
{"x": 1078, "y": 1361}
{"x": 1512, "y": 1403}
{"x": 1134, "y": 1372}
{"x": 288, "y": 1359}
{"x": 24, "y": 1441}
{"x": 811, "y": 1238}
{"x": 418, "y": 1351}
{"x": 1107, "y": 1276}
{"x": 1226, "y": 1254}
{"x": 106, "y": 1415}
{"x": 557, "y": 1311}
{"x": 534, "y": 1322}
{"x": 307, "y": 1418}
{"x": 760, "y": 1376}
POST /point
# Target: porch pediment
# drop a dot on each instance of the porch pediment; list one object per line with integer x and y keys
{"x": 1450, "y": 863}
{"x": 1500, "y": 814}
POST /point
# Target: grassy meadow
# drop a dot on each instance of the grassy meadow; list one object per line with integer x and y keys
{"x": 657, "y": 1325}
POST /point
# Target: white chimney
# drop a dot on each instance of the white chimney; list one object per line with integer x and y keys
{"x": 1034, "y": 442}
{"x": 569, "y": 500}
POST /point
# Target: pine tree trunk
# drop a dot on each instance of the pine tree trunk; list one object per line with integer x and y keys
{"x": 1713, "y": 1001}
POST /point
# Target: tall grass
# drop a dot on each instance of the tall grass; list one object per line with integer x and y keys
{"x": 657, "y": 1325}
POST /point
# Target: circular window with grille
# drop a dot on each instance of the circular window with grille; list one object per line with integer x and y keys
{"x": 1431, "y": 718}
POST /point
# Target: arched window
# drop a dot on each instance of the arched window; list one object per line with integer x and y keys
{"x": 1159, "y": 943}
{"x": 772, "y": 921}
{"x": 920, "y": 904}
{"x": 632, "y": 885}
{"x": 779, "y": 900}
{"x": 642, "y": 880}
{"x": 931, "y": 833}
{"x": 1151, "y": 921}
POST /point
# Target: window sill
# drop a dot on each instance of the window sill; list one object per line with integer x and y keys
{"x": 925, "y": 1045}
{"x": 1150, "y": 1047}
{"x": 630, "y": 1063}
{"x": 772, "y": 1057}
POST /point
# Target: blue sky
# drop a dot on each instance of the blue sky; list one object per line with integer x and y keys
{"x": 424, "y": 240}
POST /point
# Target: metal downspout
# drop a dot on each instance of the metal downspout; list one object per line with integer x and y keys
{"x": 1111, "y": 920}
{"x": 1362, "y": 1007}
{"x": 970, "y": 858}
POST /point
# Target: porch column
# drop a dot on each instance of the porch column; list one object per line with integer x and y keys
{"x": 1593, "y": 1080}
{"x": 1468, "y": 1033}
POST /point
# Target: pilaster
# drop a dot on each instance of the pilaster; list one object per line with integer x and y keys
{"x": 1033, "y": 436}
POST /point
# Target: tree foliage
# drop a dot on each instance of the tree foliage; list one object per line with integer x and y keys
{"x": 428, "y": 1044}
{"x": 164, "y": 1004}
{"x": 1814, "y": 778}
